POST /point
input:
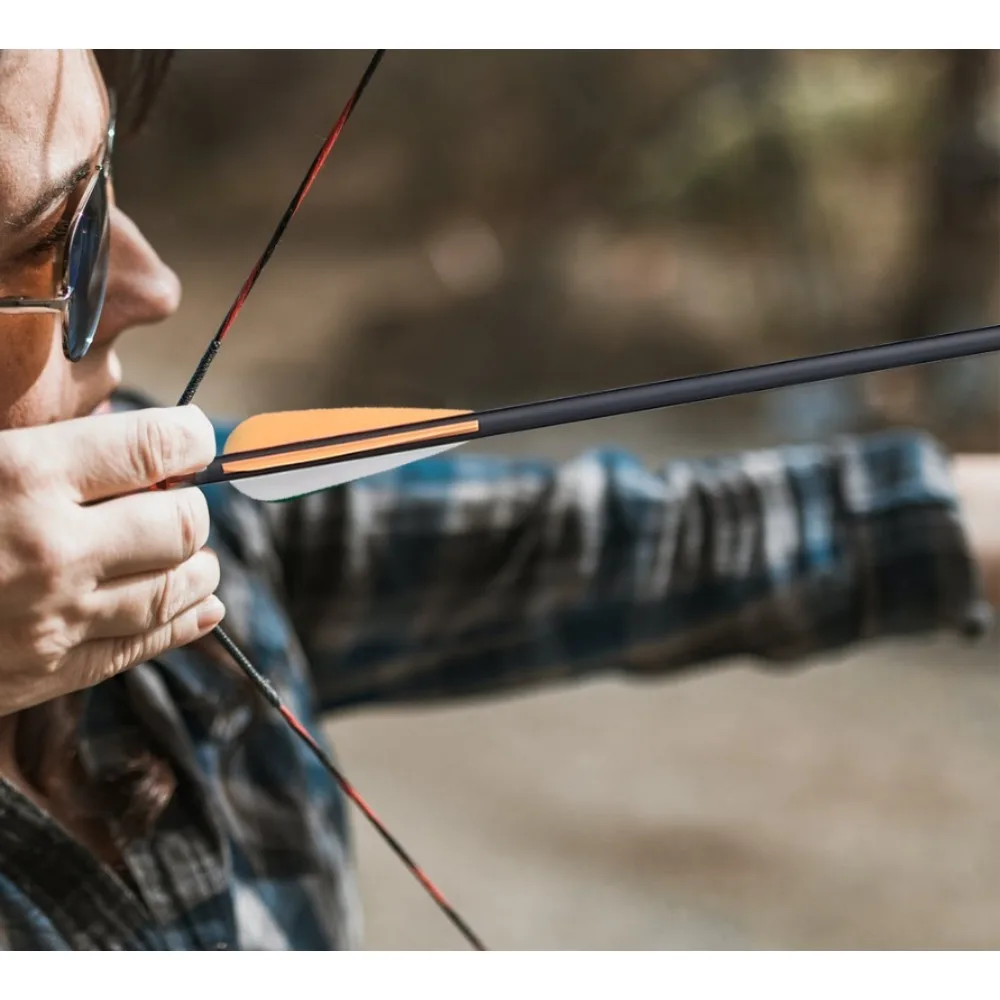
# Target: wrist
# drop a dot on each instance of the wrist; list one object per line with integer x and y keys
{"x": 977, "y": 486}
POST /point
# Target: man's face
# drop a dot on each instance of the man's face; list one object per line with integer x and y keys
{"x": 54, "y": 112}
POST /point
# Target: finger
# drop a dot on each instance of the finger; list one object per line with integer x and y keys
{"x": 97, "y": 660}
{"x": 146, "y": 533}
{"x": 106, "y": 456}
{"x": 135, "y": 605}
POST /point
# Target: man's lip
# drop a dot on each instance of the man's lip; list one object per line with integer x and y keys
{"x": 104, "y": 406}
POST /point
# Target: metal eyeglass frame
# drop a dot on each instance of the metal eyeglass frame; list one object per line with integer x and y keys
{"x": 60, "y": 303}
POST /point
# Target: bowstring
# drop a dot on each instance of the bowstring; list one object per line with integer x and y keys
{"x": 293, "y": 206}
{"x": 261, "y": 683}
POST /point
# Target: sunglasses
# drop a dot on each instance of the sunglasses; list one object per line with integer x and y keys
{"x": 84, "y": 263}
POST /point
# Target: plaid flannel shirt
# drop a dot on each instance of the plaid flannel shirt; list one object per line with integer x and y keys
{"x": 458, "y": 577}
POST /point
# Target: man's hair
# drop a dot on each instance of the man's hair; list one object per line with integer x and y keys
{"x": 136, "y": 76}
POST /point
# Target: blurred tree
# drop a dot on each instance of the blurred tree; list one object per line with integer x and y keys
{"x": 581, "y": 218}
{"x": 956, "y": 256}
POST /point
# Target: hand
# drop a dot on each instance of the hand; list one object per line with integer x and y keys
{"x": 93, "y": 582}
{"x": 977, "y": 480}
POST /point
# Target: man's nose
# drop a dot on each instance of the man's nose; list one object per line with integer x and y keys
{"x": 141, "y": 288}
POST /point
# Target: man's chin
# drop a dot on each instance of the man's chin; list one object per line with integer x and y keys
{"x": 106, "y": 379}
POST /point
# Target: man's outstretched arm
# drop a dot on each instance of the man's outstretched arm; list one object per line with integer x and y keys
{"x": 462, "y": 576}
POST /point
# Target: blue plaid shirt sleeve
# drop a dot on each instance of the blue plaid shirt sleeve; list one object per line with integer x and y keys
{"x": 467, "y": 575}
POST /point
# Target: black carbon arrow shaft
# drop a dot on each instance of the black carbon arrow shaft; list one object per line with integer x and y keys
{"x": 630, "y": 399}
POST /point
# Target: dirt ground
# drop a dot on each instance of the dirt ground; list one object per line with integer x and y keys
{"x": 850, "y": 805}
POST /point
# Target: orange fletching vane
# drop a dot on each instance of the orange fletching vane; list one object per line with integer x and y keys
{"x": 282, "y": 476}
{"x": 270, "y": 430}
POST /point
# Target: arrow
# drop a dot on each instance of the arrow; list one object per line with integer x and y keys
{"x": 278, "y": 456}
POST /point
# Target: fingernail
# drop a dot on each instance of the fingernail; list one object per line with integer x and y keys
{"x": 211, "y": 612}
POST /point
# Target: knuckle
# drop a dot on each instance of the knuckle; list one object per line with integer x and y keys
{"x": 15, "y": 463}
{"x": 168, "y": 600}
{"x": 153, "y": 447}
{"x": 182, "y": 587}
{"x": 44, "y": 642}
{"x": 193, "y": 521}
{"x": 214, "y": 577}
{"x": 170, "y": 442}
{"x": 201, "y": 436}
{"x": 125, "y": 653}
{"x": 50, "y": 553}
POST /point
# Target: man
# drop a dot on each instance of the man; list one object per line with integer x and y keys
{"x": 147, "y": 800}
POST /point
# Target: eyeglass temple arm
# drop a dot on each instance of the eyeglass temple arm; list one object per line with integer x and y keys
{"x": 21, "y": 303}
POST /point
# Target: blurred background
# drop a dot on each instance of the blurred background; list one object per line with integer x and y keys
{"x": 494, "y": 227}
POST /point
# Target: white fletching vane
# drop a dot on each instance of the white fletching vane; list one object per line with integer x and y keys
{"x": 288, "y": 483}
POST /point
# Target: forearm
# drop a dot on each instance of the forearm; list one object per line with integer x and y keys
{"x": 479, "y": 576}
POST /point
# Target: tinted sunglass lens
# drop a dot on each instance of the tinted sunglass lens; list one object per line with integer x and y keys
{"x": 88, "y": 272}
